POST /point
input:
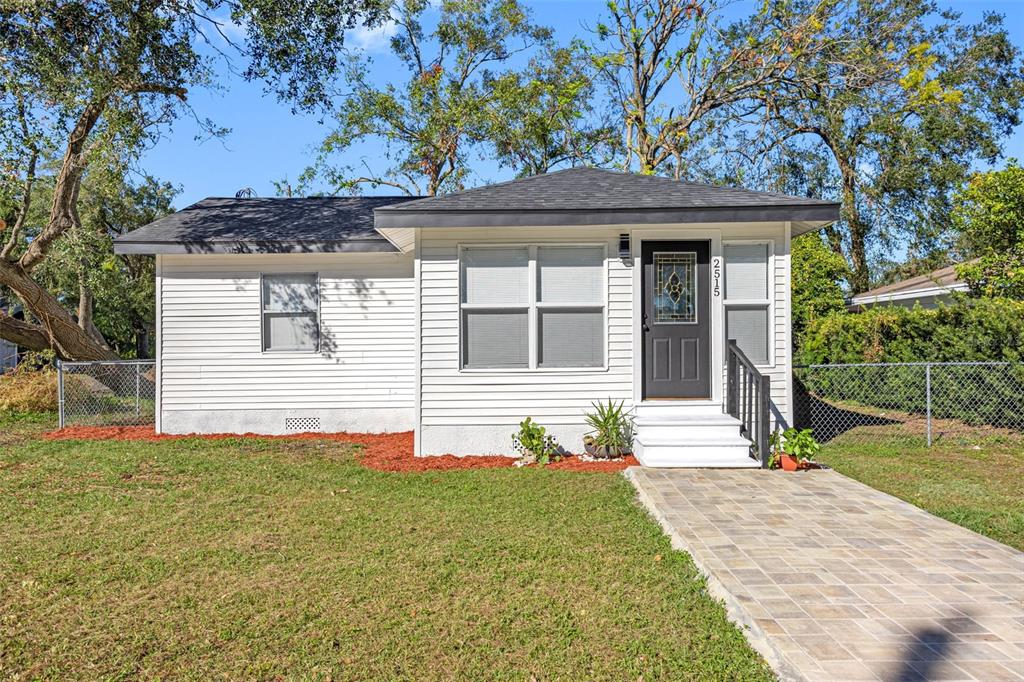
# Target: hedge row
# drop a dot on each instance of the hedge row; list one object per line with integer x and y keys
{"x": 972, "y": 330}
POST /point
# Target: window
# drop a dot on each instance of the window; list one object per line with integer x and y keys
{"x": 747, "y": 305}
{"x": 533, "y": 306}
{"x": 291, "y": 312}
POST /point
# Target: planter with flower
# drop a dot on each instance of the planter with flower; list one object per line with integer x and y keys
{"x": 793, "y": 449}
{"x": 612, "y": 434}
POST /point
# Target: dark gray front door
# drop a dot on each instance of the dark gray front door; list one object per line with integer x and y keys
{"x": 676, "y": 319}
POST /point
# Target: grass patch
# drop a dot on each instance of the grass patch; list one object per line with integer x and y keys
{"x": 977, "y": 484}
{"x": 255, "y": 558}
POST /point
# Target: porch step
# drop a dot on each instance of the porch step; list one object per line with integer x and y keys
{"x": 677, "y": 453}
{"x": 687, "y": 436}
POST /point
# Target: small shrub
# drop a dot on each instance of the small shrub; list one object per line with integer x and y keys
{"x": 612, "y": 426}
{"x": 27, "y": 389}
{"x": 533, "y": 443}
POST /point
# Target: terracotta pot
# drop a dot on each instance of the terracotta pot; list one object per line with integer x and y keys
{"x": 602, "y": 452}
{"x": 788, "y": 462}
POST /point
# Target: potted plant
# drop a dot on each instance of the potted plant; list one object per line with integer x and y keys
{"x": 533, "y": 443}
{"x": 793, "y": 449}
{"x": 612, "y": 434}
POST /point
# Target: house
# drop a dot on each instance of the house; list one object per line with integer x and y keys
{"x": 458, "y": 316}
{"x": 928, "y": 290}
{"x": 8, "y": 349}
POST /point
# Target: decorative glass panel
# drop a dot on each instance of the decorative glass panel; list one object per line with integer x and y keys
{"x": 746, "y": 272}
{"x": 675, "y": 287}
{"x": 570, "y": 274}
{"x": 572, "y": 338}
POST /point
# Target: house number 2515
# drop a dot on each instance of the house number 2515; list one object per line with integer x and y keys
{"x": 716, "y": 276}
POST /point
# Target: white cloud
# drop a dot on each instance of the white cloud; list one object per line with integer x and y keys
{"x": 375, "y": 39}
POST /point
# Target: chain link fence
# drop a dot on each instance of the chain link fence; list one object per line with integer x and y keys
{"x": 107, "y": 393}
{"x": 914, "y": 403}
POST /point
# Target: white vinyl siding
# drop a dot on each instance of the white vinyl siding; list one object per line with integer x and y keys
{"x": 451, "y": 396}
{"x": 211, "y": 348}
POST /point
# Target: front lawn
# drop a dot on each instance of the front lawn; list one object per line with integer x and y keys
{"x": 978, "y": 484}
{"x": 257, "y": 558}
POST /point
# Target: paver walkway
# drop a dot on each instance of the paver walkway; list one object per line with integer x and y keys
{"x": 834, "y": 580}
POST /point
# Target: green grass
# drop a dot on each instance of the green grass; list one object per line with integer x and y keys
{"x": 978, "y": 484}
{"x": 262, "y": 559}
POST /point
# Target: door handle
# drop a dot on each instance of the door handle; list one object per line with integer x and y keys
{"x": 646, "y": 328}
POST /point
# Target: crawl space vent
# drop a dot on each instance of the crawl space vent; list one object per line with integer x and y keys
{"x": 301, "y": 424}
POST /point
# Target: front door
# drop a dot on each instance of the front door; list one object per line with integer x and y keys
{"x": 676, "y": 319}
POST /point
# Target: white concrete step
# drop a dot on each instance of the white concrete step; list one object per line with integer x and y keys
{"x": 688, "y": 427}
{"x": 726, "y": 453}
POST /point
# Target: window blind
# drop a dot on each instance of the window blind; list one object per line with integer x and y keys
{"x": 495, "y": 338}
{"x": 746, "y": 272}
{"x": 495, "y": 276}
{"x": 571, "y": 338}
{"x": 749, "y": 327}
{"x": 570, "y": 274}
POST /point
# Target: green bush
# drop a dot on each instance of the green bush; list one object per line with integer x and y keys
{"x": 969, "y": 330}
{"x": 966, "y": 330}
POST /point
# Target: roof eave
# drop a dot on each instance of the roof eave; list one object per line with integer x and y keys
{"x": 127, "y": 247}
{"x": 391, "y": 218}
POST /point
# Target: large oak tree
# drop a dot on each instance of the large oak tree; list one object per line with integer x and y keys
{"x": 85, "y": 82}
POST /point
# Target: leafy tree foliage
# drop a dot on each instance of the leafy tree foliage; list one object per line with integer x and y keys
{"x": 91, "y": 83}
{"x": 683, "y": 79}
{"x": 818, "y": 273}
{"x": 989, "y": 217}
{"x": 902, "y": 99}
{"x": 457, "y": 82}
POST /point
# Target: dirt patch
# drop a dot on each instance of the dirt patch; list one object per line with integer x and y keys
{"x": 381, "y": 451}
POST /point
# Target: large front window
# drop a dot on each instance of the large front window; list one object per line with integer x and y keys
{"x": 532, "y": 306}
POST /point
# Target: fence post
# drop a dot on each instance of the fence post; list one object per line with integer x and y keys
{"x": 60, "y": 394}
{"x": 928, "y": 400}
{"x": 137, "y": 406}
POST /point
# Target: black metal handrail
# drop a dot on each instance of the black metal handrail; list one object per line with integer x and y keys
{"x": 747, "y": 399}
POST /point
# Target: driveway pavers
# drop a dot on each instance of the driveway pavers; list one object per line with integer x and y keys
{"x": 834, "y": 580}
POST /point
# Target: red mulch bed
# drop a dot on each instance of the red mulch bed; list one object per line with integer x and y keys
{"x": 381, "y": 451}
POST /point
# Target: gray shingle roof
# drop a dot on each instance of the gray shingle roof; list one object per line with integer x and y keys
{"x": 592, "y": 196}
{"x": 587, "y": 189}
{"x": 262, "y": 225}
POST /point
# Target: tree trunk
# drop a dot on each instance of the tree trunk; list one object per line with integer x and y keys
{"x": 57, "y": 328}
{"x": 860, "y": 275}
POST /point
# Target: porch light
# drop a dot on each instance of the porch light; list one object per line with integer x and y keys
{"x": 624, "y": 246}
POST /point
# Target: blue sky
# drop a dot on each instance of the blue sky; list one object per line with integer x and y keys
{"x": 267, "y": 142}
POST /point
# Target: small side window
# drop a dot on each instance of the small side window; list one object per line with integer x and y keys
{"x": 291, "y": 306}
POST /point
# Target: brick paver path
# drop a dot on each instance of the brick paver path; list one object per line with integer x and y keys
{"x": 833, "y": 580}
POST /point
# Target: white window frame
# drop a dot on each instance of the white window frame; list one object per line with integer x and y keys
{"x": 263, "y": 312}
{"x": 767, "y": 303}
{"x": 533, "y": 306}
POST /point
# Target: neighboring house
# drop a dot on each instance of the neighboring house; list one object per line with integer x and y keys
{"x": 8, "y": 350}
{"x": 458, "y": 316}
{"x": 929, "y": 290}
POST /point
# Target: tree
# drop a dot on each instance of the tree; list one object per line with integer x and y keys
{"x": 428, "y": 123}
{"x": 988, "y": 214}
{"x": 901, "y": 99}
{"x": 681, "y": 77}
{"x": 86, "y": 83}
{"x": 818, "y": 273}
{"x": 543, "y": 116}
